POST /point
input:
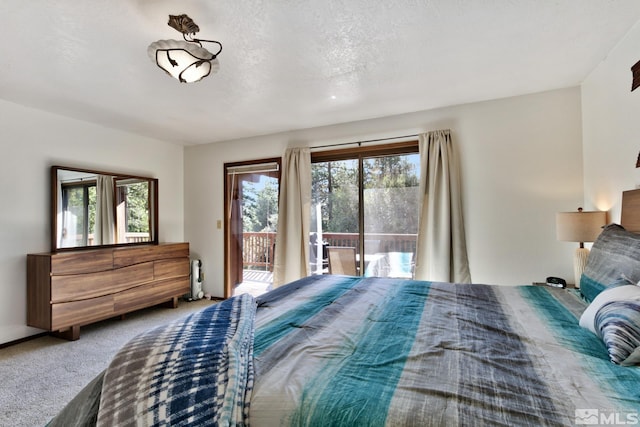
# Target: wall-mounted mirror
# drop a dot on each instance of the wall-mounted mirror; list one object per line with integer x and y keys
{"x": 96, "y": 208}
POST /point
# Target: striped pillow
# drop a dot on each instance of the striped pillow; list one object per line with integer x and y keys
{"x": 618, "y": 325}
{"x": 617, "y": 293}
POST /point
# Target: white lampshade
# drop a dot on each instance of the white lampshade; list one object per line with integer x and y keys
{"x": 579, "y": 226}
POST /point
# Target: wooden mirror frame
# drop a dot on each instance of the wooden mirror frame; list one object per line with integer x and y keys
{"x": 153, "y": 208}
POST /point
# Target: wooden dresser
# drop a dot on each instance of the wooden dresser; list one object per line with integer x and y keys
{"x": 66, "y": 290}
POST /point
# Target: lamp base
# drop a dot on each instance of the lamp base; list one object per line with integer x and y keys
{"x": 579, "y": 263}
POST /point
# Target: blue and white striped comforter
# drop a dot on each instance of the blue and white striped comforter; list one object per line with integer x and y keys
{"x": 348, "y": 351}
{"x": 336, "y": 350}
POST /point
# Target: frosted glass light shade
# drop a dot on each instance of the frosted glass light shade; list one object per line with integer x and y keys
{"x": 184, "y": 61}
{"x": 579, "y": 226}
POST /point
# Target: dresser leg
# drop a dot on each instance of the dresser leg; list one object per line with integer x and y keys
{"x": 71, "y": 334}
{"x": 172, "y": 303}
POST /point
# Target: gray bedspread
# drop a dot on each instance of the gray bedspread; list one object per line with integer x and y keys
{"x": 352, "y": 351}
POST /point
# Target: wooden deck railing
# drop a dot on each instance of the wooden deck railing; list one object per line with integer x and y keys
{"x": 258, "y": 250}
{"x": 259, "y": 247}
{"x": 129, "y": 237}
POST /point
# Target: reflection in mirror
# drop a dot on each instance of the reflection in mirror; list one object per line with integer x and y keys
{"x": 94, "y": 208}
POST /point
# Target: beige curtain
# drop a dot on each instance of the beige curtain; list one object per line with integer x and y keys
{"x": 441, "y": 253}
{"x": 291, "y": 260}
{"x": 105, "y": 230}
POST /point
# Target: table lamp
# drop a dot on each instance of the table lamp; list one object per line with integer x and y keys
{"x": 579, "y": 227}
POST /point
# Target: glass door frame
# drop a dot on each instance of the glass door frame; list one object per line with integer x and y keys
{"x": 229, "y": 259}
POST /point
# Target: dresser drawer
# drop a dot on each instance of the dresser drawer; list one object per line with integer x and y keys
{"x": 81, "y": 262}
{"x": 128, "y": 256}
{"x": 82, "y": 286}
{"x": 77, "y": 313}
{"x": 142, "y": 296}
{"x": 170, "y": 268}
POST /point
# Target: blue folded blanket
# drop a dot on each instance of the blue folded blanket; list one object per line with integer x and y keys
{"x": 197, "y": 371}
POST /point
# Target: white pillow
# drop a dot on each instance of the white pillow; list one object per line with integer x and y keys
{"x": 619, "y": 293}
{"x": 633, "y": 359}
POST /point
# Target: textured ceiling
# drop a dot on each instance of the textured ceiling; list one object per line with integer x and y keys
{"x": 296, "y": 64}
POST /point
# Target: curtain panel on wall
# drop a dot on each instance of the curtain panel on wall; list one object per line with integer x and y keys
{"x": 441, "y": 252}
{"x": 291, "y": 260}
{"x": 105, "y": 231}
{"x": 64, "y": 222}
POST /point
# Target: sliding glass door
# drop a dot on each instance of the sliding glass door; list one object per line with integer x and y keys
{"x": 367, "y": 199}
{"x": 390, "y": 202}
{"x": 335, "y": 210}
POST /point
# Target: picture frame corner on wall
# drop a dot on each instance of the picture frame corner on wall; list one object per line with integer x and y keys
{"x": 635, "y": 73}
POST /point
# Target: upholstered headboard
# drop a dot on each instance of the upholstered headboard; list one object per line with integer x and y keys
{"x": 630, "y": 218}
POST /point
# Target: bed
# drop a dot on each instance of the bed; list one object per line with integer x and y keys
{"x": 342, "y": 350}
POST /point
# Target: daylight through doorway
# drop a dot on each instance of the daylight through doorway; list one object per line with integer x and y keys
{"x": 251, "y": 218}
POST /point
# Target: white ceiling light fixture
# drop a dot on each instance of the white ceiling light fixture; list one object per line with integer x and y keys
{"x": 185, "y": 60}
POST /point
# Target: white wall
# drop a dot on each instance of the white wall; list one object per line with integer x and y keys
{"x": 521, "y": 160}
{"x": 611, "y": 127}
{"x": 31, "y": 142}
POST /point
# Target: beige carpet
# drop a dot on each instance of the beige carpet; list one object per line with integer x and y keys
{"x": 40, "y": 376}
